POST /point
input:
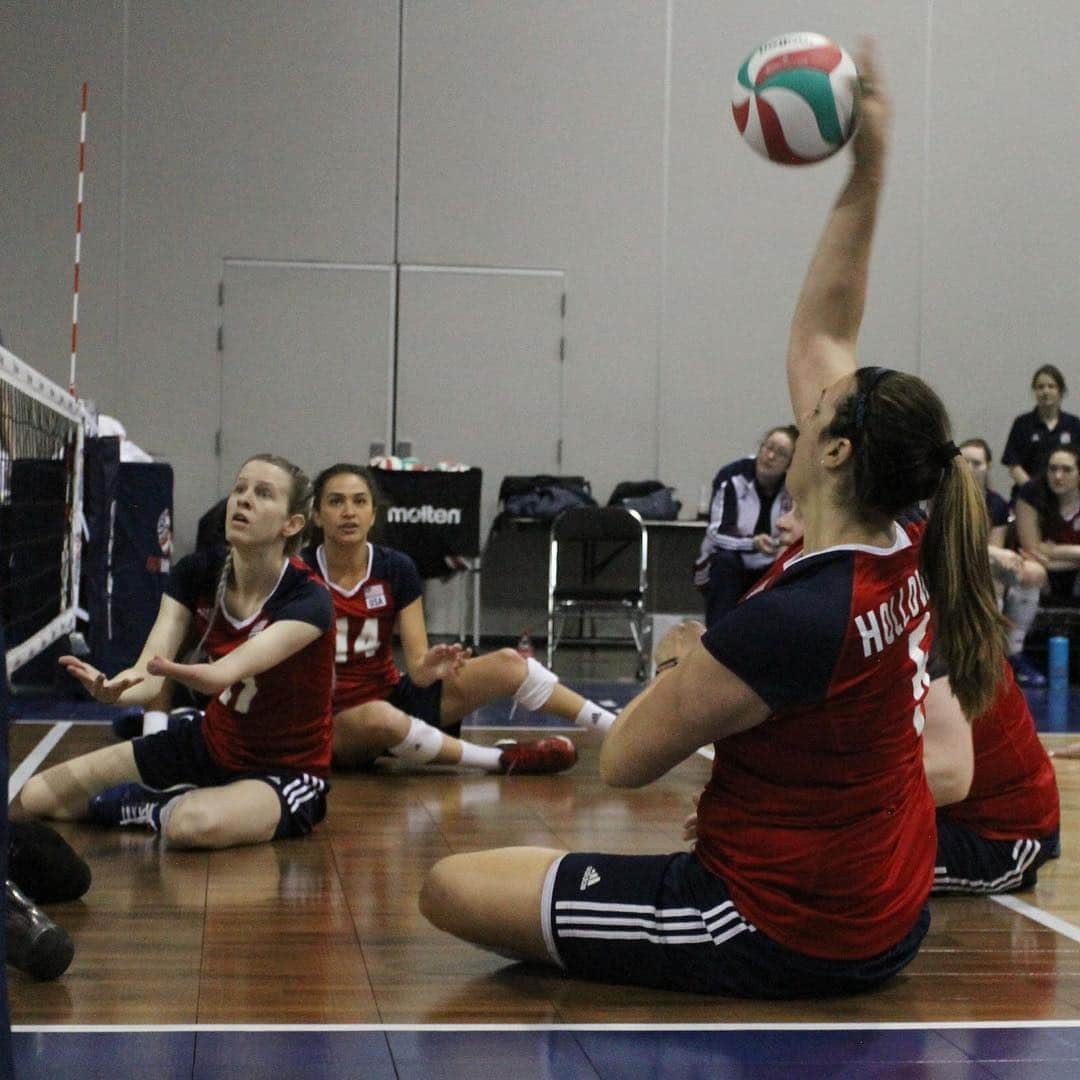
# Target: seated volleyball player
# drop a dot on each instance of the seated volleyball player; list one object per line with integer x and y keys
{"x": 998, "y": 809}
{"x": 993, "y": 783}
{"x": 255, "y": 767}
{"x": 815, "y": 849}
{"x": 416, "y": 716}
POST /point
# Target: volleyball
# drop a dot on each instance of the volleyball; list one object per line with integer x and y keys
{"x": 794, "y": 98}
{"x": 386, "y": 461}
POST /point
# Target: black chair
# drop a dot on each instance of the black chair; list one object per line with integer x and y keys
{"x": 597, "y": 569}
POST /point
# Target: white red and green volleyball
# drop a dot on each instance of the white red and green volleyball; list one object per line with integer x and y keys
{"x": 794, "y": 98}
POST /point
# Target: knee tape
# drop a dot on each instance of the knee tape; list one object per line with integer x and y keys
{"x": 538, "y": 686}
{"x": 421, "y": 745}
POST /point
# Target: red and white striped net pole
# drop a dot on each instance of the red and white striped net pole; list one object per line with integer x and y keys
{"x": 78, "y": 243}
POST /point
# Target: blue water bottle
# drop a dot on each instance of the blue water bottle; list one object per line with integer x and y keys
{"x": 1059, "y": 663}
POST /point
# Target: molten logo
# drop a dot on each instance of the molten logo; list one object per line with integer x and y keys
{"x": 424, "y": 515}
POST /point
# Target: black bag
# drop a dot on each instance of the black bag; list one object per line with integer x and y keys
{"x": 652, "y": 499}
{"x": 543, "y": 497}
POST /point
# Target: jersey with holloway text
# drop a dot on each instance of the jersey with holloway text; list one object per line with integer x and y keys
{"x": 1014, "y": 790}
{"x": 364, "y": 617}
{"x": 819, "y": 820}
{"x": 281, "y": 717}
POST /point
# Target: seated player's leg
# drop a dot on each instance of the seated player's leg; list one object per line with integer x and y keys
{"x": 492, "y": 898}
{"x": 376, "y": 728}
{"x": 63, "y": 792}
{"x": 481, "y": 680}
{"x": 364, "y": 732}
{"x": 367, "y": 731}
{"x": 505, "y": 673}
{"x": 242, "y": 812}
{"x": 969, "y": 863}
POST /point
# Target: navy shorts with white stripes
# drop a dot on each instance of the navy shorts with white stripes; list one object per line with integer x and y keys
{"x": 180, "y": 756}
{"x": 665, "y": 921}
{"x": 969, "y": 863}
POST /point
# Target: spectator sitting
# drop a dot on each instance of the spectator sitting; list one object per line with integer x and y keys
{"x": 1018, "y": 580}
{"x": 740, "y": 542}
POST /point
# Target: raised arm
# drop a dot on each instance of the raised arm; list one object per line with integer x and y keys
{"x": 137, "y": 685}
{"x": 821, "y": 349}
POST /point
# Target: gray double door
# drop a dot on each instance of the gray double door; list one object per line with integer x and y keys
{"x": 320, "y": 360}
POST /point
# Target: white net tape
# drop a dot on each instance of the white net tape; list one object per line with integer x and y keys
{"x": 41, "y": 451}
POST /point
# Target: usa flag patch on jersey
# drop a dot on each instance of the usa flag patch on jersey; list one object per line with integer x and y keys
{"x": 375, "y": 597}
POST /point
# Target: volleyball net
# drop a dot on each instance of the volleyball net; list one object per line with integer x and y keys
{"x": 42, "y": 430}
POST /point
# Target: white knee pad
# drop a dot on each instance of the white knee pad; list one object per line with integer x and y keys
{"x": 420, "y": 746}
{"x": 538, "y": 686}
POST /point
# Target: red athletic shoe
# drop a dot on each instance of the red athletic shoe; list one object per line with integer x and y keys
{"x": 554, "y": 754}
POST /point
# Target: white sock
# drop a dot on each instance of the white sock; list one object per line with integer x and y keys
{"x": 480, "y": 757}
{"x": 153, "y": 721}
{"x": 595, "y": 716}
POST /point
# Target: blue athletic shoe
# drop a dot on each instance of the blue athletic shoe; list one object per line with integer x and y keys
{"x": 132, "y": 804}
{"x": 1027, "y": 674}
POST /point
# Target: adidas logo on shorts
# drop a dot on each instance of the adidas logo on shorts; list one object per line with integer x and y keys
{"x": 590, "y": 877}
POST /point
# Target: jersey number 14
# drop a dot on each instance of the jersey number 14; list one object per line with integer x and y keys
{"x": 365, "y": 644}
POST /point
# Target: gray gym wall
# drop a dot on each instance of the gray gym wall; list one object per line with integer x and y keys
{"x": 586, "y": 146}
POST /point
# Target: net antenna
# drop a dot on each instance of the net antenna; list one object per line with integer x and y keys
{"x": 78, "y": 241}
{"x": 42, "y": 430}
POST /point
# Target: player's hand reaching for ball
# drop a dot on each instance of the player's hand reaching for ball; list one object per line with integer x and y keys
{"x": 871, "y": 140}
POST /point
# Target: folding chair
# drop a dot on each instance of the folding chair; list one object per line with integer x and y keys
{"x": 597, "y": 569}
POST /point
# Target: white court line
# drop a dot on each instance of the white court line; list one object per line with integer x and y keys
{"x": 888, "y": 1025}
{"x": 1039, "y": 916}
{"x": 36, "y": 756}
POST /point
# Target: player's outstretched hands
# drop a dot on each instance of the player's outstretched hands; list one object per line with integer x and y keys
{"x": 678, "y": 641}
{"x": 441, "y": 662}
{"x": 100, "y": 688}
{"x": 198, "y": 677}
{"x": 875, "y": 111}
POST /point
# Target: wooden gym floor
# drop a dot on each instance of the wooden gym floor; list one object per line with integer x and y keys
{"x": 321, "y": 939}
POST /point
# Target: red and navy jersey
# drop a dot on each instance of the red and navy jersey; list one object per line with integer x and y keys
{"x": 1055, "y": 528}
{"x": 364, "y": 617}
{"x": 819, "y": 820}
{"x": 1014, "y": 793}
{"x": 281, "y": 717}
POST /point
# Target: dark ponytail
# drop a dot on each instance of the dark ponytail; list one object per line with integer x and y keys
{"x": 902, "y": 455}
